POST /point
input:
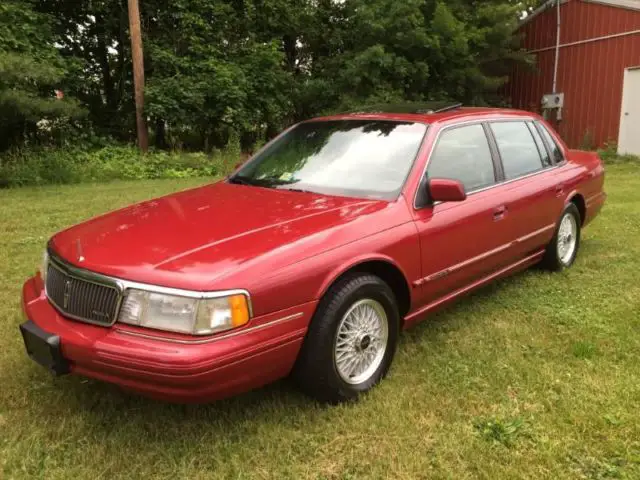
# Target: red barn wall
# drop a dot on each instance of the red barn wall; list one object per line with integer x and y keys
{"x": 589, "y": 74}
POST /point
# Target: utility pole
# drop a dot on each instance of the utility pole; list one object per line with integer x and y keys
{"x": 138, "y": 74}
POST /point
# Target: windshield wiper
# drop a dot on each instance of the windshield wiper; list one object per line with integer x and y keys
{"x": 299, "y": 190}
{"x": 241, "y": 180}
{"x": 274, "y": 181}
{"x": 266, "y": 182}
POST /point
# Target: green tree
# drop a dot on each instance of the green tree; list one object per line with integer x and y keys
{"x": 531, "y": 5}
{"x": 209, "y": 76}
{"x": 246, "y": 68}
{"x": 30, "y": 68}
{"x": 92, "y": 37}
{"x": 418, "y": 50}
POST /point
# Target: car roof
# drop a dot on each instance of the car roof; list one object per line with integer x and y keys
{"x": 427, "y": 116}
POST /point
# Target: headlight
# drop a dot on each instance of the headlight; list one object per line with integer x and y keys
{"x": 193, "y": 316}
{"x": 44, "y": 266}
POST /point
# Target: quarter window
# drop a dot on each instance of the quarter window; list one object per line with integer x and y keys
{"x": 555, "y": 149}
{"x": 517, "y": 148}
{"x": 546, "y": 159}
{"x": 463, "y": 154}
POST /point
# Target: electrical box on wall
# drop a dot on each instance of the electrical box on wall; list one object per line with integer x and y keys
{"x": 553, "y": 100}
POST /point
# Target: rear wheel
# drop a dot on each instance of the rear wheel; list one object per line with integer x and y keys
{"x": 563, "y": 248}
{"x": 351, "y": 341}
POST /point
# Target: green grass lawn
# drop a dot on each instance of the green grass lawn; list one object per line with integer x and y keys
{"x": 537, "y": 376}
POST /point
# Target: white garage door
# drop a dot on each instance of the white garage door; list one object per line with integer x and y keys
{"x": 629, "y": 138}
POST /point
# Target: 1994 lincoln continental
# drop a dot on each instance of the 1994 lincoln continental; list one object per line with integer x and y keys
{"x": 312, "y": 256}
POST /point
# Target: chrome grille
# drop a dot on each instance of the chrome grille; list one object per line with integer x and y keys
{"x": 81, "y": 299}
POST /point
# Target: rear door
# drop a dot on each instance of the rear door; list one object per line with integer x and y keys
{"x": 531, "y": 191}
{"x": 461, "y": 241}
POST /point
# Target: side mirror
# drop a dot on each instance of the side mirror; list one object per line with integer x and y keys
{"x": 446, "y": 190}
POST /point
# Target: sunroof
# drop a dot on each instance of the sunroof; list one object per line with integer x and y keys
{"x": 409, "y": 107}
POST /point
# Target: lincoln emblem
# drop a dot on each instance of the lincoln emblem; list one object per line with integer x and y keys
{"x": 67, "y": 294}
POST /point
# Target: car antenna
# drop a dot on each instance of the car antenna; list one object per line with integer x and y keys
{"x": 453, "y": 106}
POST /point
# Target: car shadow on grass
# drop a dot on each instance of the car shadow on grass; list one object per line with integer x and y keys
{"x": 94, "y": 395}
{"x": 457, "y": 314}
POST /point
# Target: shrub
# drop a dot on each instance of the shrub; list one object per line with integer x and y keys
{"x": 609, "y": 154}
{"x": 587, "y": 141}
{"x": 115, "y": 162}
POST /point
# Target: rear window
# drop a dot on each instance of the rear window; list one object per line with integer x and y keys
{"x": 556, "y": 151}
{"x": 518, "y": 150}
{"x": 546, "y": 159}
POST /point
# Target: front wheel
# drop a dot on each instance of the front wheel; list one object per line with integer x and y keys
{"x": 563, "y": 248}
{"x": 351, "y": 341}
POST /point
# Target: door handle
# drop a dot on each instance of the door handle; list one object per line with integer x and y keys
{"x": 499, "y": 213}
{"x": 559, "y": 189}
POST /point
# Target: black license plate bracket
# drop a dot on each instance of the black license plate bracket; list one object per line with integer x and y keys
{"x": 44, "y": 348}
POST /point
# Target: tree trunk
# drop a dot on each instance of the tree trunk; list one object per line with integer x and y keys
{"x": 102, "y": 55}
{"x": 291, "y": 52}
{"x": 138, "y": 74}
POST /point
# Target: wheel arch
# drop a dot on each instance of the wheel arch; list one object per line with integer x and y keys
{"x": 384, "y": 268}
{"x": 578, "y": 200}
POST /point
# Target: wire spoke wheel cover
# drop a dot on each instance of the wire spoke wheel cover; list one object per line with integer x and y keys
{"x": 361, "y": 341}
{"x": 567, "y": 238}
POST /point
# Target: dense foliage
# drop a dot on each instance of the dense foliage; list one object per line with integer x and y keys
{"x": 245, "y": 68}
{"x": 42, "y": 166}
{"x": 30, "y": 67}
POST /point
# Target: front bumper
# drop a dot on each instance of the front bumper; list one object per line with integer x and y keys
{"x": 164, "y": 366}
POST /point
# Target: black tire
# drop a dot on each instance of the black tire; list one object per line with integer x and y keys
{"x": 315, "y": 371}
{"x": 552, "y": 260}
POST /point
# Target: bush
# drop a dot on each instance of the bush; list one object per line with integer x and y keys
{"x": 74, "y": 165}
{"x": 609, "y": 154}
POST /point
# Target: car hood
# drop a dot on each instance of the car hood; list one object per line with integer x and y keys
{"x": 197, "y": 238}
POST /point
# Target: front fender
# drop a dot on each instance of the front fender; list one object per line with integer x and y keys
{"x": 309, "y": 279}
{"x": 354, "y": 264}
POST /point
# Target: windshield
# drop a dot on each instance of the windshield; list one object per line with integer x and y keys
{"x": 359, "y": 158}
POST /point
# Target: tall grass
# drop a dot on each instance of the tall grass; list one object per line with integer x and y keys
{"x": 75, "y": 165}
{"x": 609, "y": 154}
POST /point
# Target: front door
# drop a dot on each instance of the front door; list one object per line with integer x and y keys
{"x": 461, "y": 241}
{"x": 532, "y": 193}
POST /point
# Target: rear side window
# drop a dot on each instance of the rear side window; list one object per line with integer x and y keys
{"x": 556, "y": 152}
{"x": 463, "y": 154}
{"x": 546, "y": 159}
{"x": 517, "y": 148}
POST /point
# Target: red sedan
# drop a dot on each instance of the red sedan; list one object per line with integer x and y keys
{"x": 312, "y": 256}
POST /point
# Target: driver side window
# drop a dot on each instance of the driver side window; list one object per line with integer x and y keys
{"x": 463, "y": 154}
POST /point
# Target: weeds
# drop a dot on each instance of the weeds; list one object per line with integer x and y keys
{"x": 64, "y": 166}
